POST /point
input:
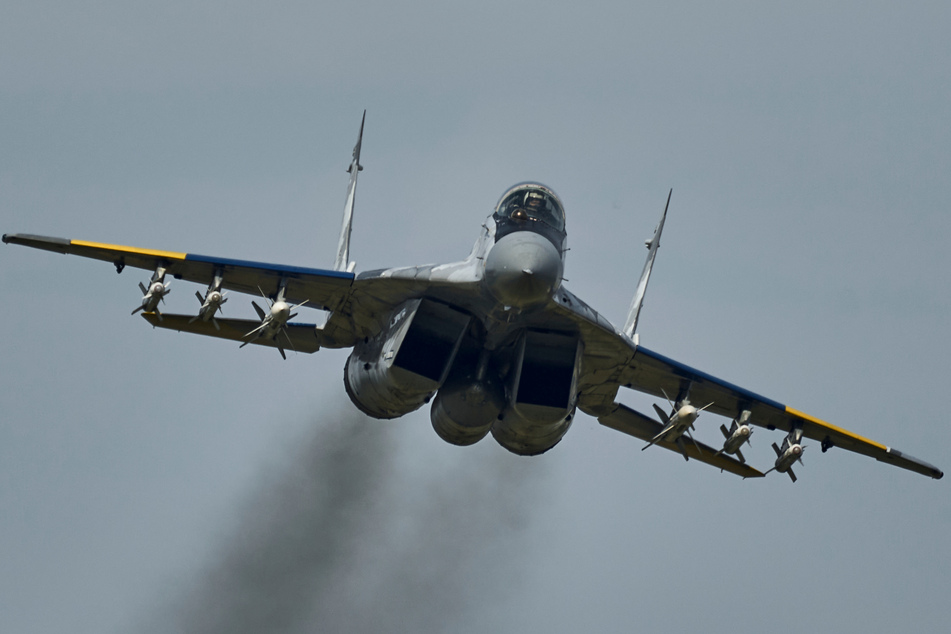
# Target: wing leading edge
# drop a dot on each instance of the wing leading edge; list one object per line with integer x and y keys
{"x": 319, "y": 287}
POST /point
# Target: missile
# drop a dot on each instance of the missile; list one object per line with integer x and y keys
{"x": 679, "y": 422}
{"x": 210, "y": 304}
{"x": 739, "y": 433}
{"x": 155, "y": 293}
{"x": 786, "y": 458}
{"x": 152, "y": 295}
{"x": 273, "y": 321}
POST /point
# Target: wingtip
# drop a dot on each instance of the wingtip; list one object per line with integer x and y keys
{"x": 911, "y": 463}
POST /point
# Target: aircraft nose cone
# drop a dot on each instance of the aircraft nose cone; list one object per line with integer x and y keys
{"x": 523, "y": 269}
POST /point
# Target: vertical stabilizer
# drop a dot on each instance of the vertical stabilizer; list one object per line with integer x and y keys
{"x": 631, "y": 324}
{"x": 343, "y": 263}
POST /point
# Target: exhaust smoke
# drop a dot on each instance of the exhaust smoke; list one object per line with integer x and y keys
{"x": 352, "y": 534}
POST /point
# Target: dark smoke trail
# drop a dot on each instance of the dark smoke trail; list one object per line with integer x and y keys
{"x": 349, "y": 537}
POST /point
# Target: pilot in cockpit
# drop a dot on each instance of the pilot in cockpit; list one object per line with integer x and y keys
{"x": 532, "y": 205}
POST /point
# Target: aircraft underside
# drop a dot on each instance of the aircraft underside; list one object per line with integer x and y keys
{"x": 523, "y": 392}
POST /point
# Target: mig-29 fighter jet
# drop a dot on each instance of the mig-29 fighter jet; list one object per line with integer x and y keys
{"x": 495, "y": 343}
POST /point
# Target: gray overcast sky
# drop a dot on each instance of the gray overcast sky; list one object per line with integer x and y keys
{"x": 161, "y": 482}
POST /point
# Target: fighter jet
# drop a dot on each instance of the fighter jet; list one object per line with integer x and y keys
{"x": 494, "y": 343}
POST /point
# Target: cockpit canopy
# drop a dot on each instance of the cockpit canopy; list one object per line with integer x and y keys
{"x": 528, "y": 203}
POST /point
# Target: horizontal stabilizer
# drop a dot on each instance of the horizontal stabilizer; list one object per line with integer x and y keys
{"x": 304, "y": 337}
{"x": 633, "y": 423}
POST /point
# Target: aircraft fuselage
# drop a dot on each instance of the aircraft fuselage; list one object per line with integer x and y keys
{"x": 488, "y": 361}
{"x": 523, "y": 269}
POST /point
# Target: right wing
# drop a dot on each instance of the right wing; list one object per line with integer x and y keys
{"x": 320, "y": 288}
{"x": 358, "y": 306}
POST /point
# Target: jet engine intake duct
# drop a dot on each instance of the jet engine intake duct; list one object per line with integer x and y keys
{"x": 545, "y": 375}
{"x": 396, "y": 371}
{"x": 542, "y": 392}
{"x": 431, "y": 341}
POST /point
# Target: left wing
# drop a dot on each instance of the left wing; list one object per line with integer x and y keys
{"x": 612, "y": 360}
{"x": 656, "y": 374}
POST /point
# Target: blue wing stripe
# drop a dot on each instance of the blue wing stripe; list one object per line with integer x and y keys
{"x": 276, "y": 268}
{"x": 691, "y": 373}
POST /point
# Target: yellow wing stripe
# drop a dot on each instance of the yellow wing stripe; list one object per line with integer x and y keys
{"x": 844, "y": 432}
{"x": 169, "y": 255}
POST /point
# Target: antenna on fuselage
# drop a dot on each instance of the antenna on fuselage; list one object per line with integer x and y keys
{"x": 652, "y": 245}
{"x": 343, "y": 263}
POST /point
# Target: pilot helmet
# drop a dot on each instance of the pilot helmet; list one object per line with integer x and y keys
{"x": 532, "y": 202}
